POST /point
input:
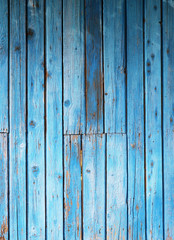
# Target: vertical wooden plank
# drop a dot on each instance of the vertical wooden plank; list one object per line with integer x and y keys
{"x": 3, "y": 187}
{"x": 135, "y": 120}
{"x": 116, "y": 187}
{"x": 168, "y": 117}
{"x": 54, "y": 148}
{"x": 36, "y": 145}
{"x": 72, "y": 187}
{"x": 93, "y": 186}
{"x": 4, "y": 66}
{"x": 154, "y": 194}
{"x": 114, "y": 65}
{"x": 94, "y": 73}
{"x": 73, "y": 62}
{"x": 17, "y": 120}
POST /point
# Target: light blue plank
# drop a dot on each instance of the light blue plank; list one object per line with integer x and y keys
{"x": 135, "y": 120}
{"x": 17, "y": 141}
{"x": 73, "y": 62}
{"x": 94, "y": 73}
{"x": 36, "y": 145}
{"x": 3, "y": 187}
{"x": 4, "y": 66}
{"x": 116, "y": 187}
{"x": 154, "y": 191}
{"x": 114, "y": 65}
{"x": 72, "y": 187}
{"x": 93, "y": 186}
{"x": 168, "y": 117}
{"x": 54, "y": 150}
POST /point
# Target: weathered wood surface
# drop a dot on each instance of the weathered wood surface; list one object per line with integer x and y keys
{"x": 154, "y": 189}
{"x": 168, "y": 118}
{"x": 93, "y": 186}
{"x": 54, "y": 129}
{"x": 4, "y": 187}
{"x": 17, "y": 136}
{"x": 86, "y": 119}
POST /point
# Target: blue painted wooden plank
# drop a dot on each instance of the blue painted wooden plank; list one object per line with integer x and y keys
{"x": 114, "y": 65}
{"x": 36, "y": 144}
{"x": 54, "y": 146}
{"x": 93, "y": 186}
{"x": 135, "y": 120}
{"x": 3, "y": 187}
{"x": 154, "y": 191}
{"x": 17, "y": 143}
{"x": 72, "y": 187}
{"x": 73, "y": 62}
{"x": 168, "y": 117}
{"x": 94, "y": 71}
{"x": 4, "y": 66}
{"x": 116, "y": 186}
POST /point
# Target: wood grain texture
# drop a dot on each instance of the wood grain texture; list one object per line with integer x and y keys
{"x": 114, "y": 65}
{"x": 154, "y": 191}
{"x": 72, "y": 187}
{"x": 3, "y": 187}
{"x": 54, "y": 144}
{"x": 4, "y": 66}
{"x": 17, "y": 137}
{"x": 93, "y": 186}
{"x": 135, "y": 120}
{"x": 168, "y": 118}
{"x": 116, "y": 187}
{"x": 93, "y": 68}
{"x": 73, "y": 64}
{"x": 36, "y": 136}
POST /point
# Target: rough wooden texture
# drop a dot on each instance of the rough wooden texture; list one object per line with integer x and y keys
{"x": 17, "y": 137}
{"x": 54, "y": 144}
{"x": 93, "y": 68}
{"x": 72, "y": 187}
{"x": 36, "y": 127}
{"x": 135, "y": 120}
{"x": 73, "y": 64}
{"x": 93, "y": 186}
{"x": 168, "y": 117}
{"x": 154, "y": 191}
{"x": 3, "y": 187}
{"x": 4, "y": 66}
{"x": 114, "y": 65}
{"x": 116, "y": 187}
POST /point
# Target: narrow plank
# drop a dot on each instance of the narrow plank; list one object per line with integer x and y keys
{"x": 93, "y": 186}
{"x": 168, "y": 117}
{"x": 114, "y": 65}
{"x": 72, "y": 187}
{"x": 36, "y": 145}
{"x": 135, "y": 120}
{"x": 17, "y": 147}
{"x": 4, "y": 66}
{"x": 73, "y": 62}
{"x": 94, "y": 73}
{"x": 54, "y": 146}
{"x": 154, "y": 191}
{"x": 116, "y": 187}
{"x": 3, "y": 187}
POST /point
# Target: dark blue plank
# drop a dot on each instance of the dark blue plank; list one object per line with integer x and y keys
{"x": 4, "y": 66}
{"x": 36, "y": 123}
{"x": 17, "y": 142}
{"x": 94, "y": 73}
{"x": 135, "y": 120}
{"x": 114, "y": 65}
{"x": 168, "y": 117}
{"x": 54, "y": 148}
{"x": 154, "y": 191}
